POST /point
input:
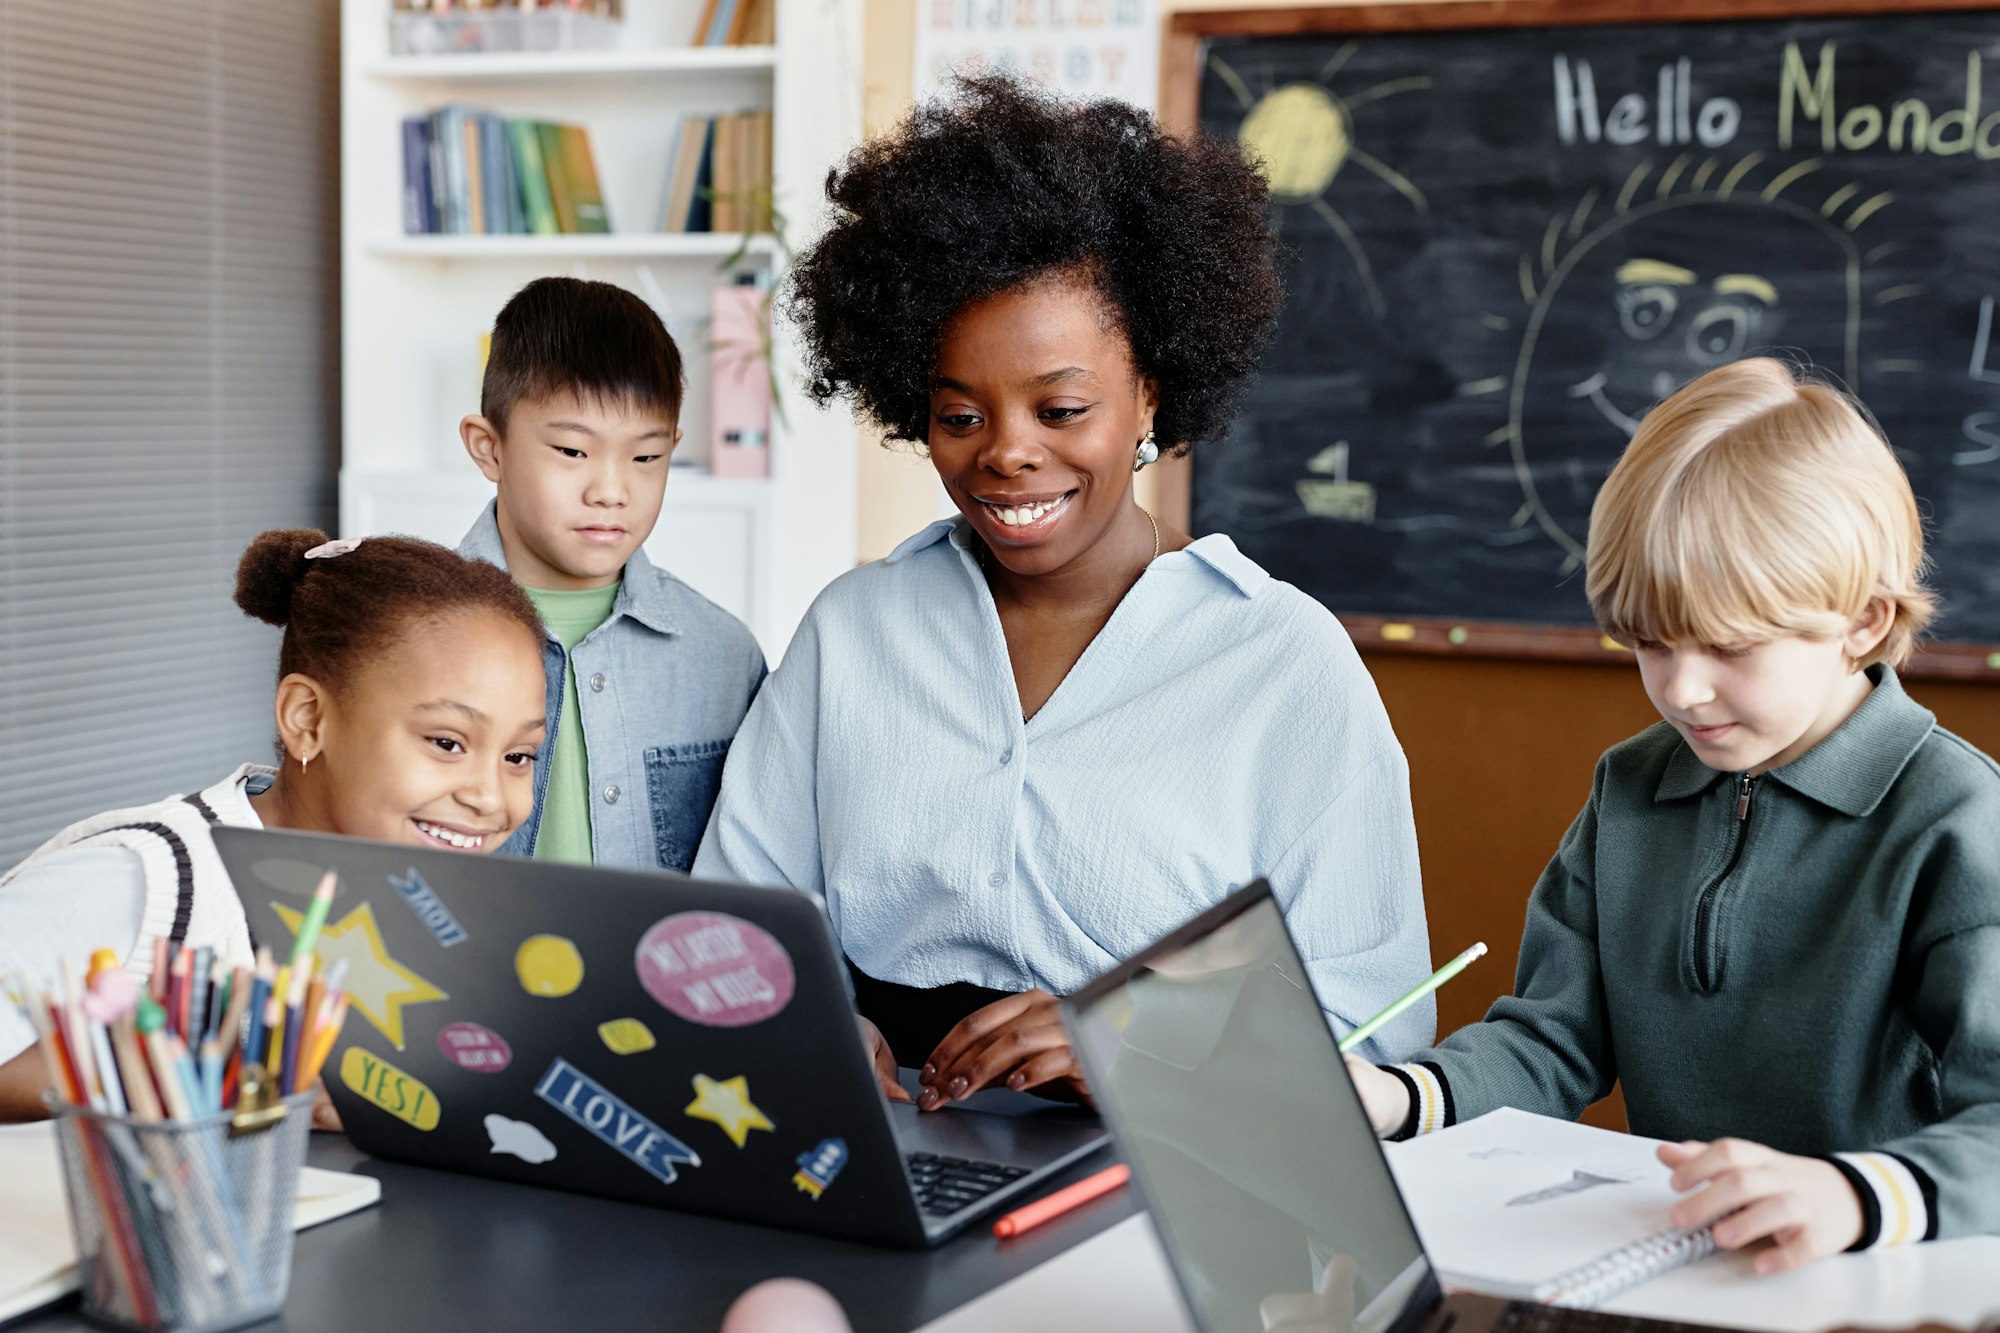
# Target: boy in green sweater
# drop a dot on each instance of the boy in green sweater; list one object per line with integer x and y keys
{"x": 1778, "y": 916}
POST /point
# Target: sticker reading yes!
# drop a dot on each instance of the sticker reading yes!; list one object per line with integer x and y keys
{"x": 714, "y": 969}
{"x": 381, "y": 1084}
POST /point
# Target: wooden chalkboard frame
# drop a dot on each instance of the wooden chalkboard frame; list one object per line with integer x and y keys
{"x": 1181, "y": 59}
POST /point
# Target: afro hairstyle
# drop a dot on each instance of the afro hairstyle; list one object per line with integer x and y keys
{"x": 998, "y": 185}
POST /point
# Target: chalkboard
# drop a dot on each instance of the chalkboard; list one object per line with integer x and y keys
{"x": 1504, "y": 243}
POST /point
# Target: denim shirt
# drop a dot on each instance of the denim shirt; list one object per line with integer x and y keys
{"x": 663, "y": 685}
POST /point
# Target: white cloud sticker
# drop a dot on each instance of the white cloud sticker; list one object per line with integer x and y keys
{"x": 519, "y": 1138}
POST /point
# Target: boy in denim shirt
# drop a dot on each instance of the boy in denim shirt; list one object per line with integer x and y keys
{"x": 1777, "y": 921}
{"x": 647, "y": 679}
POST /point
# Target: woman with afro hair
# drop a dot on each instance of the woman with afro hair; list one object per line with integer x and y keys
{"x": 1040, "y": 735}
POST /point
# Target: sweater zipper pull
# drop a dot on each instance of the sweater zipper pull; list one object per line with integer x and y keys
{"x": 1743, "y": 797}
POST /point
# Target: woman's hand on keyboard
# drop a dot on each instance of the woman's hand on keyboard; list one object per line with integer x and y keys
{"x": 1018, "y": 1042}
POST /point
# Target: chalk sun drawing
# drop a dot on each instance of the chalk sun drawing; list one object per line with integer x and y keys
{"x": 1305, "y": 134}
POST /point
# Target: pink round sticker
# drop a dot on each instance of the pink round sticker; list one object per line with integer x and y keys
{"x": 470, "y": 1046}
{"x": 717, "y": 970}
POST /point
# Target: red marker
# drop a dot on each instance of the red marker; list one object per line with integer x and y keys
{"x": 1062, "y": 1201}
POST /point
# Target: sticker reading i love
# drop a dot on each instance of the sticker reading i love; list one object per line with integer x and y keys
{"x": 714, "y": 969}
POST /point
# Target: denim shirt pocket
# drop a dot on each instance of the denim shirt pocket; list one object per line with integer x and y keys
{"x": 682, "y": 782}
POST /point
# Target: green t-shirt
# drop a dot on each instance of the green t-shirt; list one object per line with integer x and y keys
{"x": 564, "y": 834}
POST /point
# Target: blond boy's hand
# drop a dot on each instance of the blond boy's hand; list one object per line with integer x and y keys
{"x": 1383, "y": 1096}
{"x": 1803, "y": 1207}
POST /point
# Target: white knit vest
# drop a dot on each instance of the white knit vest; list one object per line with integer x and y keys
{"x": 189, "y": 898}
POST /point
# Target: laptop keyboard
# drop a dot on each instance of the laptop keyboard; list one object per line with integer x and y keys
{"x": 1524, "y": 1317}
{"x": 947, "y": 1184}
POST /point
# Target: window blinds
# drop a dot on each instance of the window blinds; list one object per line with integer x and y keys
{"x": 168, "y": 328}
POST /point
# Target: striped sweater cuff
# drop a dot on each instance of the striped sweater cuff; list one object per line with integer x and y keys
{"x": 1898, "y": 1198}
{"x": 1430, "y": 1098}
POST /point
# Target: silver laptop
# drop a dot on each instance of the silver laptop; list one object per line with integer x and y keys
{"x": 1226, "y": 1093}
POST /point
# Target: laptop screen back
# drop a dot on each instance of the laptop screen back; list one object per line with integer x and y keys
{"x": 1228, "y": 1097}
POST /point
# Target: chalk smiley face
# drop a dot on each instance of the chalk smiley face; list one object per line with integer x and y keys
{"x": 1651, "y": 299}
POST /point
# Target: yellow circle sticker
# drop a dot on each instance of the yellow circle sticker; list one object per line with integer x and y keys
{"x": 548, "y": 965}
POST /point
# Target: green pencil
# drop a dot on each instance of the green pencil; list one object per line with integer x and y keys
{"x": 1437, "y": 978}
{"x": 315, "y": 917}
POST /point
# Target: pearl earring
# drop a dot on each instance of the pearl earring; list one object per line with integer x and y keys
{"x": 304, "y": 760}
{"x": 1148, "y": 452}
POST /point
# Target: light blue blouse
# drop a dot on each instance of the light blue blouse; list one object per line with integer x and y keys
{"x": 1220, "y": 727}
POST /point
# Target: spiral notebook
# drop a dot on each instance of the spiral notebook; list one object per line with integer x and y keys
{"x": 1524, "y": 1206}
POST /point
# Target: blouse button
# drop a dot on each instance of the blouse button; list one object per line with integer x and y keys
{"x": 1007, "y": 755}
{"x": 611, "y": 795}
{"x": 597, "y": 682}
{"x": 996, "y": 879}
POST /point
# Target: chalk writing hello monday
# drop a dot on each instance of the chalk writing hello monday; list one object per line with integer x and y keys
{"x": 1810, "y": 113}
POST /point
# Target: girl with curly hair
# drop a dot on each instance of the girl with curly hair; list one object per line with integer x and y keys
{"x": 1041, "y": 734}
{"x": 409, "y": 707}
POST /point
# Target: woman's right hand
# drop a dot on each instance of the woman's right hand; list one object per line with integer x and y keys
{"x": 883, "y": 1059}
{"x": 1383, "y": 1096}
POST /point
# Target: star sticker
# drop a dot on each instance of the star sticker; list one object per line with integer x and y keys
{"x": 377, "y": 985}
{"x": 727, "y": 1104}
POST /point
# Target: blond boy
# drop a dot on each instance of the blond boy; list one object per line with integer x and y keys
{"x": 1778, "y": 916}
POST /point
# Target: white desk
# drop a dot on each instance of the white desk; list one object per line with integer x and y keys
{"x": 1118, "y": 1282}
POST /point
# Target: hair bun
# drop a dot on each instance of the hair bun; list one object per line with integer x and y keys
{"x": 271, "y": 570}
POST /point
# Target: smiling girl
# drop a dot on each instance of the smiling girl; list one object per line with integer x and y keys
{"x": 1040, "y": 735}
{"x": 409, "y": 709}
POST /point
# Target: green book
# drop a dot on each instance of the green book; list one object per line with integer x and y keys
{"x": 557, "y": 176}
{"x": 581, "y": 170}
{"x": 534, "y": 177}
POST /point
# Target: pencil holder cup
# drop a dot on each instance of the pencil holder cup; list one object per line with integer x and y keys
{"x": 182, "y": 1225}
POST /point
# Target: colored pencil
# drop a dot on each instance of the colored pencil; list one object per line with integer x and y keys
{"x": 260, "y": 993}
{"x": 76, "y": 1037}
{"x": 1062, "y": 1201}
{"x": 315, "y": 917}
{"x": 177, "y": 993}
{"x": 139, "y": 1088}
{"x": 1431, "y": 983}
{"x": 295, "y": 1015}
{"x": 156, "y": 980}
{"x": 323, "y": 1040}
{"x": 153, "y": 1038}
{"x": 107, "y": 1068}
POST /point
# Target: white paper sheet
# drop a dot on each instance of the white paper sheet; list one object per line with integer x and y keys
{"x": 1510, "y": 1201}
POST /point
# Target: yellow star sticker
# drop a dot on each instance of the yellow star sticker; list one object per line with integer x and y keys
{"x": 727, "y": 1104}
{"x": 377, "y": 985}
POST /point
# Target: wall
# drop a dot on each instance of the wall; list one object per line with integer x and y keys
{"x": 1500, "y": 752}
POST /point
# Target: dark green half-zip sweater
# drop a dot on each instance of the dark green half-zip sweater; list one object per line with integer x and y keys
{"x": 1809, "y": 959}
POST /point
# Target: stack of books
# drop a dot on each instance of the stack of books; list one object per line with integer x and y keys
{"x": 719, "y": 176}
{"x": 472, "y": 173}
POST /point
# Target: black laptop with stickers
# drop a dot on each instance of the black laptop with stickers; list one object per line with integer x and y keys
{"x": 642, "y": 1036}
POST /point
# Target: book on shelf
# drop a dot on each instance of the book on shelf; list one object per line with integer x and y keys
{"x": 736, "y": 23}
{"x": 719, "y": 179}
{"x": 473, "y": 173}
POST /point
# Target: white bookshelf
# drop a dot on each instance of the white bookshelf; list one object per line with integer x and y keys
{"x": 414, "y": 307}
